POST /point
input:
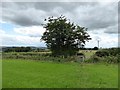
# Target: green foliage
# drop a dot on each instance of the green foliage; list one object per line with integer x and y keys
{"x": 102, "y": 53}
{"x": 111, "y": 55}
{"x": 63, "y": 37}
{"x": 112, "y": 51}
{"x": 80, "y": 53}
{"x": 112, "y": 59}
{"x": 18, "y": 49}
{"x": 93, "y": 59}
{"x": 95, "y": 48}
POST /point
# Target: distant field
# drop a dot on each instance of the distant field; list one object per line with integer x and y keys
{"x": 38, "y": 74}
{"x": 88, "y": 53}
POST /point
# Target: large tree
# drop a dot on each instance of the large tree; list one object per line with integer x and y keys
{"x": 63, "y": 37}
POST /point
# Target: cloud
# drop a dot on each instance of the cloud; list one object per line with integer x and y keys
{"x": 112, "y": 30}
{"x": 97, "y": 16}
{"x": 2, "y": 32}
{"x": 105, "y": 39}
{"x": 33, "y": 31}
{"x": 13, "y": 40}
{"x": 24, "y": 17}
{"x": 93, "y": 15}
{"x": 19, "y": 40}
{"x": 101, "y": 19}
{"x": 23, "y": 38}
{"x": 61, "y": 1}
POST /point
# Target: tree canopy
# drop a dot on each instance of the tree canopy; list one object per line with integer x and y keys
{"x": 63, "y": 37}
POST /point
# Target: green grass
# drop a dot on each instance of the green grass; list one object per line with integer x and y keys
{"x": 38, "y": 74}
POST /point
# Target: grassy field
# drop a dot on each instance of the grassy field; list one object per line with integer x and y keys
{"x": 88, "y": 53}
{"x": 39, "y": 74}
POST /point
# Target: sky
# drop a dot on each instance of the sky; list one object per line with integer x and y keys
{"x": 20, "y": 22}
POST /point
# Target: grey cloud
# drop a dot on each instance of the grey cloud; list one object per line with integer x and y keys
{"x": 35, "y": 36}
{"x": 119, "y": 17}
{"x": 112, "y": 30}
{"x": 25, "y": 21}
{"x": 21, "y": 16}
{"x": 68, "y": 6}
{"x": 98, "y": 16}
{"x": 89, "y": 14}
{"x": 11, "y": 11}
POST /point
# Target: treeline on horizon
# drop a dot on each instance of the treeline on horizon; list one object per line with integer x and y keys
{"x": 39, "y": 49}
